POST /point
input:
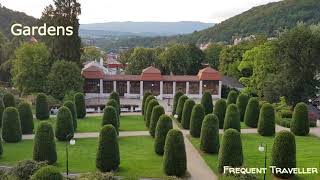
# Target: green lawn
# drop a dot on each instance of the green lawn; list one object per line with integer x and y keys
{"x": 136, "y": 153}
{"x": 308, "y": 149}
{"x": 242, "y": 124}
{"x": 93, "y": 124}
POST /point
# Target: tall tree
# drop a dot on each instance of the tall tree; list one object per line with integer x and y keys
{"x": 212, "y": 54}
{"x": 141, "y": 58}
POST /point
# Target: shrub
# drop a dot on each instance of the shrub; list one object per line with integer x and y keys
{"x": 2, "y": 107}
{"x": 97, "y": 176}
{"x": 230, "y": 153}
{"x": 242, "y": 102}
{"x": 149, "y": 98}
{"x": 47, "y": 173}
{"x": 150, "y": 107}
{"x": 266, "y": 124}
{"x": 72, "y": 107}
{"x": 25, "y": 169}
{"x": 64, "y": 124}
{"x": 196, "y": 119}
{"x": 206, "y": 102}
{"x": 251, "y": 115}
{"x": 108, "y": 156}
{"x": 145, "y": 96}
{"x": 155, "y": 115}
{"x": 175, "y": 158}
{"x": 283, "y": 153}
{"x": 80, "y": 105}
{"x": 42, "y": 109}
{"x": 175, "y": 101}
{"x": 232, "y": 97}
{"x": 220, "y": 111}
{"x": 186, "y": 113}
{"x": 11, "y": 128}
{"x": 209, "y": 138}
{"x": 115, "y": 96}
{"x": 232, "y": 118}
{"x": 26, "y": 118}
{"x": 300, "y": 120}
{"x": 286, "y": 114}
{"x": 44, "y": 147}
{"x": 8, "y": 100}
{"x": 180, "y": 105}
{"x": 1, "y": 148}
{"x": 114, "y": 104}
{"x": 110, "y": 116}
{"x": 163, "y": 126}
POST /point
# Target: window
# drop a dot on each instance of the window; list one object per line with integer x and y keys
{"x": 92, "y": 86}
{"x": 167, "y": 87}
{"x": 107, "y": 86}
{"x": 194, "y": 87}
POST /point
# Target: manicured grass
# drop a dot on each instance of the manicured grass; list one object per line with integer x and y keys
{"x": 307, "y": 153}
{"x": 136, "y": 153}
{"x": 93, "y": 123}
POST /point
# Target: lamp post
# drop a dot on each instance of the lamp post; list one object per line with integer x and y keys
{"x": 264, "y": 148}
{"x": 71, "y": 142}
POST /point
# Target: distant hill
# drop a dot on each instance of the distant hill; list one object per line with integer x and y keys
{"x": 9, "y": 17}
{"x": 148, "y": 28}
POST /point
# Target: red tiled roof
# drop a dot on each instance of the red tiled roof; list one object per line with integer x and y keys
{"x": 122, "y": 78}
{"x": 151, "y": 74}
{"x": 180, "y": 78}
{"x": 209, "y": 73}
{"x": 93, "y": 74}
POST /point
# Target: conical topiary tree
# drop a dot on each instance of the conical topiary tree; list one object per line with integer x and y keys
{"x": 179, "y": 109}
{"x": 163, "y": 126}
{"x": 175, "y": 158}
{"x": 196, "y": 119}
{"x": 64, "y": 126}
{"x": 150, "y": 107}
{"x": 1, "y": 148}
{"x": 72, "y": 107}
{"x": 232, "y": 118}
{"x": 114, "y": 104}
{"x": 2, "y": 107}
{"x": 11, "y": 128}
{"x": 115, "y": 96}
{"x": 175, "y": 101}
{"x": 108, "y": 155}
{"x": 42, "y": 108}
{"x": 186, "y": 113}
{"x": 230, "y": 153}
{"x": 209, "y": 138}
{"x": 242, "y": 102}
{"x": 26, "y": 118}
{"x": 283, "y": 153}
{"x": 207, "y": 103}
{"x": 47, "y": 173}
{"x": 149, "y": 98}
{"x": 251, "y": 115}
{"x": 80, "y": 104}
{"x": 232, "y": 97}
{"x": 266, "y": 124}
{"x": 300, "y": 120}
{"x": 155, "y": 115}
{"x": 220, "y": 111}
{"x": 44, "y": 147}
{"x": 8, "y": 100}
{"x": 145, "y": 96}
{"x": 110, "y": 116}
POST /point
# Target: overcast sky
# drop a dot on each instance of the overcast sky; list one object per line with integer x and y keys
{"x": 146, "y": 10}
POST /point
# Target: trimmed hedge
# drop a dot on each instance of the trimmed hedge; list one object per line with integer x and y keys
{"x": 150, "y": 107}
{"x": 115, "y": 96}
{"x": 11, "y": 128}
{"x": 196, "y": 119}
{"x": 180, "y": 105}
{"x": 283, "y": 153}
{"x": 242, "y": 102}
{"x": 232, "y": 97}
{"x": 42, "y": 108}
{"x": 26, "y": 118}
{"x": 186, "y": 113}
{"x": 155, "y": 115}
{"x": 145, "y": 96}
{"x": 26, "y": 168}
{"x": 220, "y": 111}
{"x": 163, "y": 126}
{"x": 230, "y": 153}
{"x": 145, "y": 107}
{"x": 72, "y": 107}
{"x": 266, "y": 124}
{"x": 44, "y": 147}
{"x": 251, "y": 116}
{"x": 110, "y": 116}
{"x": 207, "y": 103}
{"x": 2, "y": 107}
{"x": 114, "y": 104}
{"x": 232, "y": 118}
{"x": 175, "y": 101}
{"x": 175, "y": 157}
{"x": 8, "y": 100}
{"x": 108, "y": 155}
{"x": 209, "y": 138}
{"x": 80, "y": 104}
{"x": 300, "y": 120}
{"x": 47, "y": 173}
{"x": 64, "y": 125}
